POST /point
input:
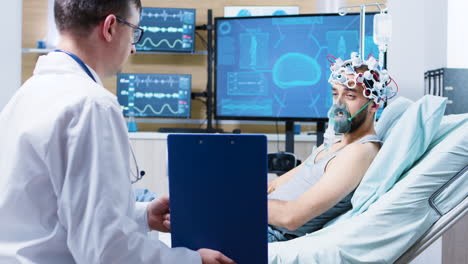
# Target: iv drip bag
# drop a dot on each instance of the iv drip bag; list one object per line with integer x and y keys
{"x": 382, "y": 29}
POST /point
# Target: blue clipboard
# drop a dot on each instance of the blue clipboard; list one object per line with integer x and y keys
{"x": 218, "y": 194}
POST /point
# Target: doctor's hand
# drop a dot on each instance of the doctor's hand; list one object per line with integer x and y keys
{"x": 158, "y": 214}
{"x": 214, "y": 257}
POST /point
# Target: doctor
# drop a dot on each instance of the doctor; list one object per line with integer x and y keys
{"x": 65, "y": 192}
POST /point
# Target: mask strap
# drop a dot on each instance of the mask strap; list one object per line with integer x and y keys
{"x": 362, "y": 108}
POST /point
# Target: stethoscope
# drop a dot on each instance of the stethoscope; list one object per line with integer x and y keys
{"x": 139, "y": 174}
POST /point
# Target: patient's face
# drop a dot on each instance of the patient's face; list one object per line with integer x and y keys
{"x": 353, "y": 99}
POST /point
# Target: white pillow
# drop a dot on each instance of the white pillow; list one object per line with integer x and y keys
{"x": 408, "y": 140}
{"x": 390, "y": 115}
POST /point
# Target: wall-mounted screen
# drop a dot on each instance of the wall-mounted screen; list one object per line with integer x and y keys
{"x": 276, "y": 68}
{"x": 167, "y": 29}
{"x": 155, "y": 95}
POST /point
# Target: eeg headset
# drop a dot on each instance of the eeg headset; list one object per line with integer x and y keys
{"x": 376, "y": 82}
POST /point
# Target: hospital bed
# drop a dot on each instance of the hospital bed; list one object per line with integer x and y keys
{"x": 440, "y": 227}
{"x": 414, "y": 191}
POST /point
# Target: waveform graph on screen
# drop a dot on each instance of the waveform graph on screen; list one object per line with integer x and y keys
{"x": 154, "y": 95}
{"x": 261, "y": 107}
{"x": 167, "y": 29}
{"x": 247, "y": 83}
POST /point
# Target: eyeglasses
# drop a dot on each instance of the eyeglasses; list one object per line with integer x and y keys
{"x": 137, "y": 31}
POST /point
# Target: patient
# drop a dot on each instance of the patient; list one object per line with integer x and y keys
{"x": 320, "y": 189}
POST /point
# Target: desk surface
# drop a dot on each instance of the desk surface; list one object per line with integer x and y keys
{"x": 270, "y": 137}
{"x": 151, "y": 154}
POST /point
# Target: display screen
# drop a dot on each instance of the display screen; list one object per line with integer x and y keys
{"x": 167, "y": 29}
{"x": 154, "y": 95}
{"x": 277, "y": 68}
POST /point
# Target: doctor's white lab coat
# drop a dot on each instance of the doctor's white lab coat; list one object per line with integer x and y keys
{"x": 65, "y": 192}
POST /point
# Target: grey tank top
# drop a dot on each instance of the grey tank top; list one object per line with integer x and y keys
{"x": 306, "y": 176}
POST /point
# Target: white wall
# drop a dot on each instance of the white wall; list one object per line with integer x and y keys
{"x": 432, "y": 254}
{"x": 435, "y": 34}
{"x": 329, "y": 6}
{"x": 457, "y": 39}
{"x": 53, "y": 36}
{"x": 418, "y": 42}
{"x": 10, "y": 62}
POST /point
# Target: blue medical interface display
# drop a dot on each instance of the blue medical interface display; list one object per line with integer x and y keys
{"x": 277, "y": 67}
{"x": 155, "y": 95}
{"x": 167, "y": 29}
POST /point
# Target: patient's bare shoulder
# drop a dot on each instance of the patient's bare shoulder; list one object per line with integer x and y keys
{"x": 367, "y": 148}
{"x": 356, "y": 156}
{"x": 359, "y": 150}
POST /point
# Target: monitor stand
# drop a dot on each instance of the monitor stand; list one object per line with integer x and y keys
{"x": 290, "y": 134}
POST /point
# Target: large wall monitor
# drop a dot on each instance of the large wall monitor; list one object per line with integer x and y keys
{"x": 155, "y": 95}
{"x": 276, "y": 68}
{"x": 167, "y": 29}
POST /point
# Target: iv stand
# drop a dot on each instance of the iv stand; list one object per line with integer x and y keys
{"x": 342, "y": 11}
{"x": 362, "y": 25}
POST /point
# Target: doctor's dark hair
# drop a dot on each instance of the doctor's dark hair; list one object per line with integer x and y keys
{"x": 79, "y": 16}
